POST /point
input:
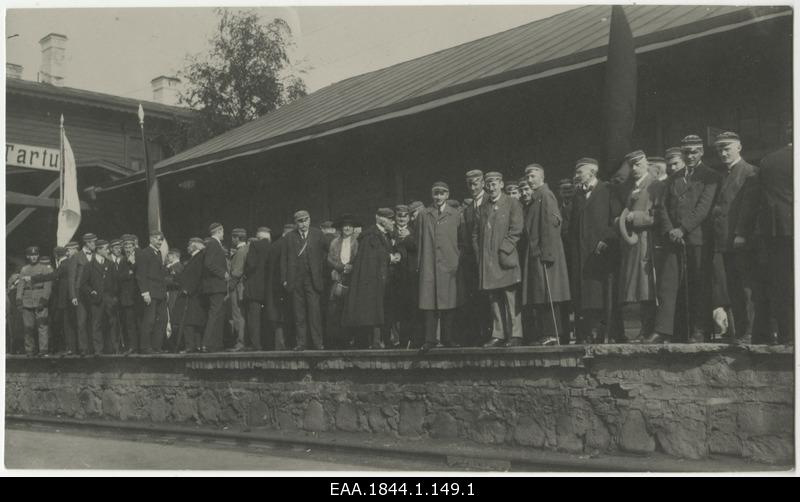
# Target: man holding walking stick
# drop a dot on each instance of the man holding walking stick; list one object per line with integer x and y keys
{"x": 682, "y": 218}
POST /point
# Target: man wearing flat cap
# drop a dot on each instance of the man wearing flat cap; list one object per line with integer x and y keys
{"x": 190, "y": 316}
{"x": 301, "y": 272}
{"x": 674, "y": 158}
{"x": 474, "y": 318}
{"x": 441, "y": 286}
{"x": 33, "y": 299}
{"x": 151, "y": 278}
{"x": 683, "y": 221}
{"x": 732, "y": 283}
{"x": 255, "y": 283}
{"x": 591, "y": 243}
{"x": 76, "y": 267}
{"x": 214, "y": 288}
{"x": 239, "y": 249}
{"x": 99, "y": 288}
{"x": 512, "y": 189}
{"x": 545, "y": 282}
{"x": 366, "y": 302}
{"x": 494, "y": 241}
{"x": 637, "y": 277}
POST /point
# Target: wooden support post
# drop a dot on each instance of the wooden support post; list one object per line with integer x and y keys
{"x": 23, "y": 215}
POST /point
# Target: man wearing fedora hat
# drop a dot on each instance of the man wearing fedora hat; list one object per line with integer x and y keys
{"x": 732, "y": 283}
{"x": 214, "y": 288}
{"x": 636, "y": 273}
{"x": 301, "y": 274}
{"x": 99, "y": 286}
{"x": 494, "y": 240}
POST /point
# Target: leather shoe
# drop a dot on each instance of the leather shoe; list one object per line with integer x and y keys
{"x": 426, "y": 347}
{"x": 378, "y": 346}
{"x": 515, "y": 342}
{"x": 494, "y": 342}
{"x": 299, "y": 349}
{"x": 656, "y": 338}
{"x": 698, "y": 336}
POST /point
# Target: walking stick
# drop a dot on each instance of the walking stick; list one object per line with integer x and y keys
{"x": 685, "y": 274}
{"x": 552, "y": 307}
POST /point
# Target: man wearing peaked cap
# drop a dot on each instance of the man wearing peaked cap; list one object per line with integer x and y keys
{"x": 76, "y": 267}
{"x": 414, "y": 209}
{"x": 591, "y": 237}
{"x": 439, "y": 290}
{"x": 473, "y": 320}
{"x": 255, "y": 283}
{"x": 174, "y": 269}
{"x": 214, "y": 287}
{"x": 685, "y": 227}
{"x": 236, "y": 286}
{"x": 674, "y": 159}
{"x": 151, "y": 278}
{"x": 277, "y": 300}
{"x": 512, "y": 189}
{"x": 130, "y": 301}
{"x": 494, "y": 239}
{"x": 367, "y": 301}
{"x": 525, "y": 193}
{"x": 33, "y": 299}
{"x": 99, "y": 288}
{"x": 732, "y": 281}
{"x": 405, "y": 284}
{"x": 658, "y": 168}
{"x": 302, "y": 276}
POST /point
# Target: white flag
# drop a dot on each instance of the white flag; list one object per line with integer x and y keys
{"x": 69, "y": 214}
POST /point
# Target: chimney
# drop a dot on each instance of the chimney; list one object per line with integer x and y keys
{"x": 14, "y": 71}
{"x": 54, "y": 47}
{"x": 165, "y": 89}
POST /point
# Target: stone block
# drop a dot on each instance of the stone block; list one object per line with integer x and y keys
{"x": 444, "y": 426}
{"x": 759, "y": 419}
{"x": 159, "y": 410}
{"x": 412, "y": 416}
{"x": 110, "y": 404}
{"x": 633, "y": 436}
{"x": 377, "y": 421}
{"x": 528, "y": 432}
{"x": 314, "y": 417}
{"x": 258, "y": 413}
{"x": 769, "y": 449}
{"x": 184, "y": 409}
{"x": 566, "y": 439}
{"x": 347, "y": 417}
{"x": 208, "y": 407}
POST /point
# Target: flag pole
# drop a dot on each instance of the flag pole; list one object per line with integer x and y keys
{"x": 144, "y": 145}
{"x": 61, "y": 166}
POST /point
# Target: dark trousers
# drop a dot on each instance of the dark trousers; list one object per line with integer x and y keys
{"x": 775, "y": 291}
{"x": 82, "y": 322}
{"x": 57, "y": 320}
{"x": 731, "y": 290}
{"x": 253, "y": 311}
{"x": 671, "y": 313}
{"x": 543, "y": 325}
{"x": 154, "y": 325}
{"x": 105, "y": 314}
{"x": 70, "y": 329}
{"x": 307, "y": 316}
{"x": 212, "y": 336}
{"x": 447, "y": 320}
{"x": 279, "y": 334}
{"x": 130, "y": 327}
{"x": 192, "y": 338}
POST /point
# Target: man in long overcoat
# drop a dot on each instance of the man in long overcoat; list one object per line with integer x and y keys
{"x": 151, "y": 277}
{"x": 277, "y": 307}
{"x": 732, "y": 282}
{"x": 494, "y": 240}
{"x": 365, "y": 305}
{"x": 545, "y": 282}
{"x": 75, "y": 269}
{"x": 591, "y": 240}
{"x": 682, "y": 220}
{"x": 191, "y": 316}
{"x": 214, "y": 287}
{"x": 636, "y": 273}
{"x": 130, "y": 300}
{"x": 474, "y": 314}
{"x": 441, "y": 288}
{"x": 255, "y": 284}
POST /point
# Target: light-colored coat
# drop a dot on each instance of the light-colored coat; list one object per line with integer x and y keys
{"x": 542, "y": 238}
{"x": 440, "y": 245}
{"x": 636, "y": 276}
{"x": 494, "y": 241}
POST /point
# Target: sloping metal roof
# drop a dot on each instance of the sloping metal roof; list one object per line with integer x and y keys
{"x": 83, "y": 97}
{"x": 567, "y": 41}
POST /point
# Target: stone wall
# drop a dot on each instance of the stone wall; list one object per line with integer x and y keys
{"x": 688, "y": 401}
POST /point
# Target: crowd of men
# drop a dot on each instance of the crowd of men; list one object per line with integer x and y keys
{"x": 705, "y": 253}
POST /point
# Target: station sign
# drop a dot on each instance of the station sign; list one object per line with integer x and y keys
{"x": 33, "y": 157}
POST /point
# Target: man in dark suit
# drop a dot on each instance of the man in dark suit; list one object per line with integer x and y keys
{"x": 591, "y": 252}
{"x": 770, "y": 224}
{"x": 190, "y": 314}
{"x": 301, "y": 272}
{"x": 732, "y": 290}
{"x": 682, "y": 219}
{"x": 99, "y": 287}
{"x": 75, "y": 269}
{"x": 129, "y": 298}
{"x": 214, "y": 288}
{"x": 277, "y": 305}
{"x": 255, "y": 284}
{"x": 151, "y": 277}
{"x": 59, "y": 303}
{"x": 474, "y": 314}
